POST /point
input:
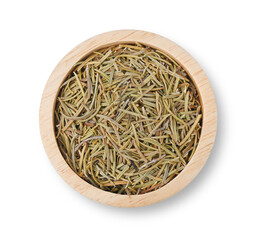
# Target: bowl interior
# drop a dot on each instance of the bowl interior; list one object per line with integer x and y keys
{"x": 98, "y": 49}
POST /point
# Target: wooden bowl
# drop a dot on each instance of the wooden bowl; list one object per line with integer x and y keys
{"x": 209, "y": 123}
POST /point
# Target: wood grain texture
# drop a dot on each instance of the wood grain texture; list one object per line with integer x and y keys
{"x": 199, "y": 78}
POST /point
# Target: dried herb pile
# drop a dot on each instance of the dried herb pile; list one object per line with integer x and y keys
{"x": 128, "y": 119}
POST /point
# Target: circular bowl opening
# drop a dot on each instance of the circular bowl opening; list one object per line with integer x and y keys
{"x": 122, "y": 172}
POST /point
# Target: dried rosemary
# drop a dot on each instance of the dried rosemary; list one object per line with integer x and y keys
{"x": 128, "y": 119}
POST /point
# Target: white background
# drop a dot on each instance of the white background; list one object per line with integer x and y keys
{"x": 225, "y": 201}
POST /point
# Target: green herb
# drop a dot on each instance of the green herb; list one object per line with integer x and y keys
{"x": 128, "y": 119}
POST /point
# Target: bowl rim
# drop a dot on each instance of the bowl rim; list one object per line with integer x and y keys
{"x": 209, "y": 120}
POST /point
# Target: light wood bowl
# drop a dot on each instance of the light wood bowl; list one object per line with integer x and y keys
{"x": 209, "y": 122}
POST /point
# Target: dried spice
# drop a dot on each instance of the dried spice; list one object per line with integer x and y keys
{"x": 128, "y": 119}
